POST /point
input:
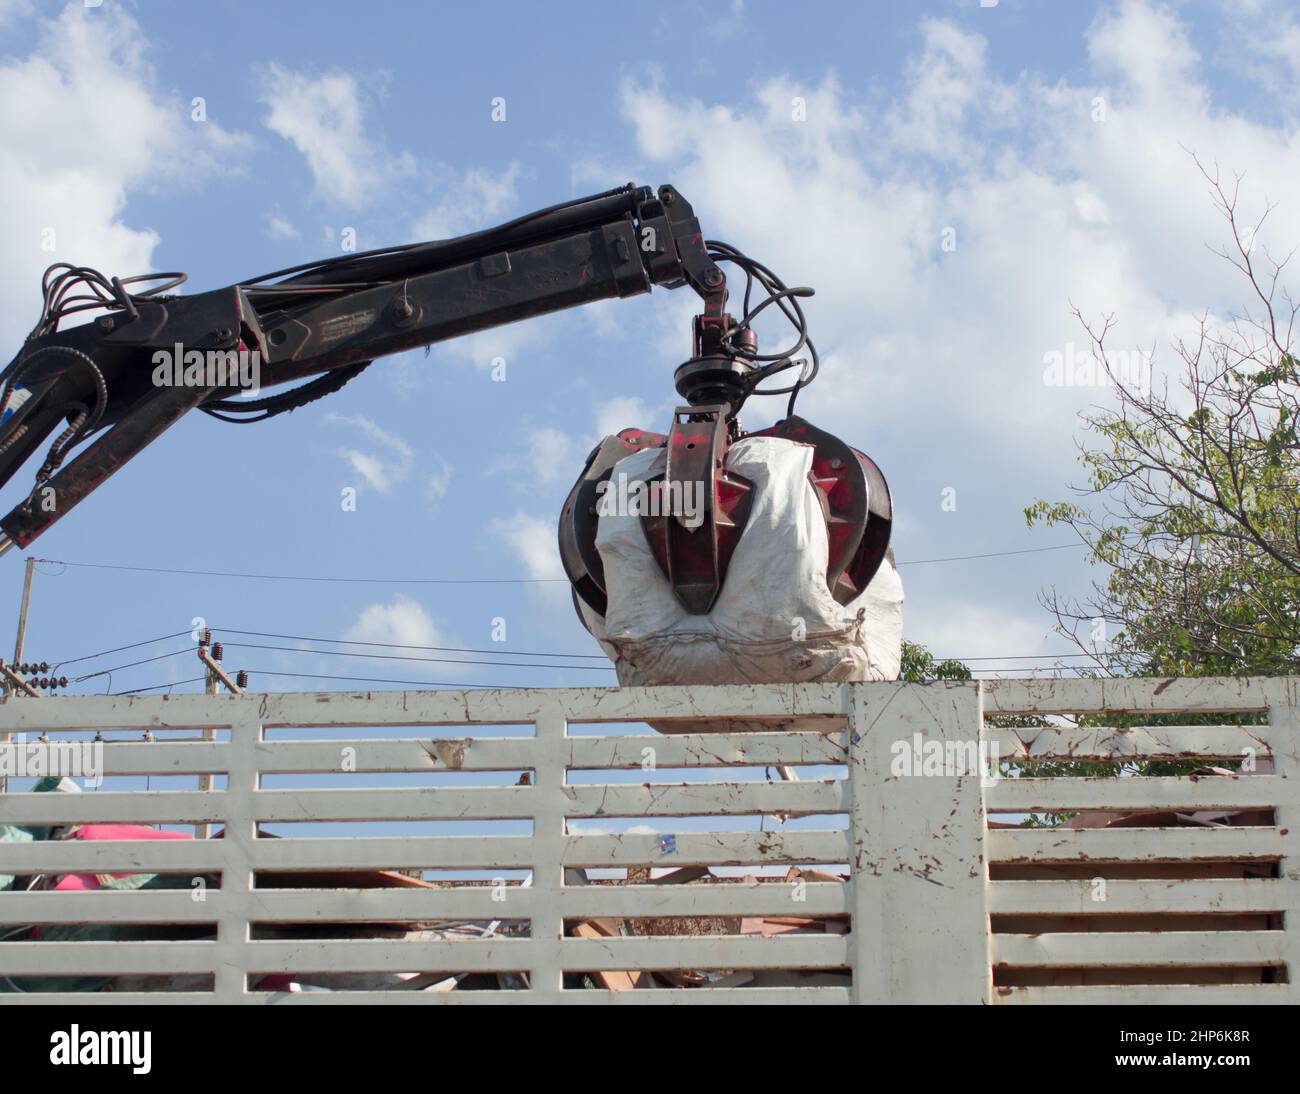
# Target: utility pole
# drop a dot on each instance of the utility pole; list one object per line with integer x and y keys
{"x": 9, "y": 690}
{"x": 22, "y": 611}
{"x": 212, "y": 687}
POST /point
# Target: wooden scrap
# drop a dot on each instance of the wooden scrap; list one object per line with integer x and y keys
{"x": 612, "y": 980}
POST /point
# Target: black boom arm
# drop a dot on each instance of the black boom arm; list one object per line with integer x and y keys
{"x": 327, "y": 320}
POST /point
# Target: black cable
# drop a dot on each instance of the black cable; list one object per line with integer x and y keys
{"x": 302, "y": 577}
{"x": 787, "y": 301}
{"x": 286, "y": 401}
{"x": 405, "y": 657}
{"x": 374, "y": 680}
{"x": 991, "y": 554}
{"x": 469, "y": 581}
{"x": 405, "y": 645}
{"x": 81, "y": 424}
{"x": 132, "y": 664}
{"x": 155, "y": 687}
{"x": 119, "y": 649}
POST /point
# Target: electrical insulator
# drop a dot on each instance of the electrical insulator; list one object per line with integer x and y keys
{"x": 45, "y": 681}
{"x": 241, "y": 678}
{"x": 206, "y": 640}
{"x": 63, "y": 681}
{"x": 45, "y": 666}
{"x": 217, "y": 652}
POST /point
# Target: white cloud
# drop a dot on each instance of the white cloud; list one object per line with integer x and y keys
{"x": 279, "y": 226}
{"x": 624, "y": 412}
{"x": 533, "y": 542}
{"x": 322, "y": 116}
{"x": 382, "y": 467}
{"x": 402, "y": 622}
{"x": 390, "y": 461}
{"x": 475, "y": 200}
{"x": 547, "y": 456}
{"x": 439, "y": 480}
{"x": 83, "y": 124}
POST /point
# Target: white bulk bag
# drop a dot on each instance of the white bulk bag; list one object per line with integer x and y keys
{"x": 775, "y": 620}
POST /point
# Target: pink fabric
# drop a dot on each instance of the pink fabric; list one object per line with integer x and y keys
{"x": 86, "y": 882}
{"x": 125, "y": 831}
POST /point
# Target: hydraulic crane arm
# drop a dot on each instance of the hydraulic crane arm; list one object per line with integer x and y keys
{"x": 328, "y": 320}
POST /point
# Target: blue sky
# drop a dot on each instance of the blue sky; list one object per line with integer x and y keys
{"x": 918, "y": 118}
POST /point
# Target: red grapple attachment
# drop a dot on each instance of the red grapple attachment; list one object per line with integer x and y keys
{"x": 855, "y": 501}
{"x": 702, "y": 507}
{"x": 580, "y": 513}
{"x": 699, "y": 509}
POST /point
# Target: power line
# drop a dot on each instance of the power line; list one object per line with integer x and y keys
{"x": 132, "y": 664}
{"x": 308, "y": 577}
{"x": 991, "y": 554}
{"x": 378, "y": 680}
{"x": 406, "y": 645}
{"x": 1018, "y": 656}
{"x": 157, "y": 687}
{"x": 119, "y": 649}
{"x": 468, "y": 580}
{"x": 433, "y": 660}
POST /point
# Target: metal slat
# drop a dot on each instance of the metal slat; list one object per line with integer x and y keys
{"x": 795, "y": 799}
{"x": 1119, "y": 949}
{"x": 106, "y": 959}
{"x": 1133, "y": 844}
{"x": 1135, "y": 794}
{"x": 110, "y": 906}
{"x": 706, "y": 750}
{"x": 1123, "y": 896}
{"x": 527, "y": 705}
{"x": 112, "y": 857}
{"x": 1135, "y": 743}
{"x": 115, "y": 806}
{"x": 1190, "y": 695}
{"x": 165, "y": 758}
{"x": 1152, "y": 995}
{"x": 414, "y": 708}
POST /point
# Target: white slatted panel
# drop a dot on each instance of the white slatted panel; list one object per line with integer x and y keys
{"x": 917, "y": 848}
{"x": 1195, "y": 919}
